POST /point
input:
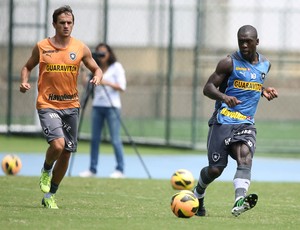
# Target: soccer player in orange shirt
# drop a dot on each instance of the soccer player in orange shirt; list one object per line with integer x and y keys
{"x": 59, "y": 59}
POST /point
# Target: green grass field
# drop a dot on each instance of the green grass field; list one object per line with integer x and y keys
{"x": 140, "y": 204}
{"x": 100, "y": 203}
{"x": 37, "y": 144}
{"x": 33, "y": 144}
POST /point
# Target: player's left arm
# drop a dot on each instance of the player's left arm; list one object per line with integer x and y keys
{"x": 270, "y": 93}
{"x": 91, "y": 64}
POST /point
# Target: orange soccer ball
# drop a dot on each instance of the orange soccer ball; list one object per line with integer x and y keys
{"x": 11, "y": 164}
{"x": 184, "y": 204}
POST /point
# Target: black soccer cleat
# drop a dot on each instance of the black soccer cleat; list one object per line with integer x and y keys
{"x": 244, "y": 204}
{"x": 201, "y": 210}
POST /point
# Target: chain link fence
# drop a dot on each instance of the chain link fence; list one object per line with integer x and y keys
{"x": 168, "y": 49}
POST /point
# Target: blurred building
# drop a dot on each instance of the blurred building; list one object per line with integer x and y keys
{"x": 168, "y": 48}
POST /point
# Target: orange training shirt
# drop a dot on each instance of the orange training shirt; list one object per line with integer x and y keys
{"x": 58, "y": 72}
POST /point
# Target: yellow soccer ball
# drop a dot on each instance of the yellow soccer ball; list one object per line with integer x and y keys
{"x": 11, "y": 164}
{"x": 182, "y": 179}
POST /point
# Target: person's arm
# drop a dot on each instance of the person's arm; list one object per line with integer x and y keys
{"x": 120, "y": 83}
{"x": 270, "y": 93}
{"x": 84, "y": 74}
{"x": 211, "y": 88}
{"x": 26, "y": 70}
{"x": 91, "y": 64}
{"x": 115, "y": 86}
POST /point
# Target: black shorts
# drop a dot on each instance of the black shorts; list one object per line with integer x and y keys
{"x": 60, "y": 123}
{"x": 220, "y": 138}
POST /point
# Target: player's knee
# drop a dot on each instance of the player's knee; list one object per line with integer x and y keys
{"x": 58, "y": 144}
{"x": 215, "y": 172}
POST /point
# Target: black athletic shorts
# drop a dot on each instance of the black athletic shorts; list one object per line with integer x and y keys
{"x": 60, "y": 123}
{"x": 220, "y": 138}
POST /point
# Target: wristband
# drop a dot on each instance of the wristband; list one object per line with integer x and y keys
{"x": 262, "y": 91}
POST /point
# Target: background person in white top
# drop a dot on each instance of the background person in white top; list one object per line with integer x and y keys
{"x": 107, "y": 107}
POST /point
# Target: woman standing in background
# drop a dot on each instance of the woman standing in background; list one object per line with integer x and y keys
{"x": 107, "y": 107}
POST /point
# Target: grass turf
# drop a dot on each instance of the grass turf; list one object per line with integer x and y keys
{"x": 37, "y": 144}
{"x": 93, "y": 203}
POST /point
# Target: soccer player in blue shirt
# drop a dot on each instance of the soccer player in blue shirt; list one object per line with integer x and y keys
{"x": 236, "y": 86}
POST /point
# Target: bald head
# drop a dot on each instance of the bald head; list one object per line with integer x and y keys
{"x": 249, "y": 30}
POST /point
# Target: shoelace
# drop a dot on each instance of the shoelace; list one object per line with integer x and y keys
{"x": 45, "y": 178}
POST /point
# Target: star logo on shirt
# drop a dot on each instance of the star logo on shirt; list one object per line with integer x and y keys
{"x": 72, "y": 56}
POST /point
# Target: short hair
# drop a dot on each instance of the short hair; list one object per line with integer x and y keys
{"x": 248, "y": 28}
{"x": 61, "y": 10}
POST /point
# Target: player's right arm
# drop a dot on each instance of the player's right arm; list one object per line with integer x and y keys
{"x": 221, "y": 74}
{"x": 26, "y": 70}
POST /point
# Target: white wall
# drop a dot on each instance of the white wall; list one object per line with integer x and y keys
{"x": 141, "y": 23}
